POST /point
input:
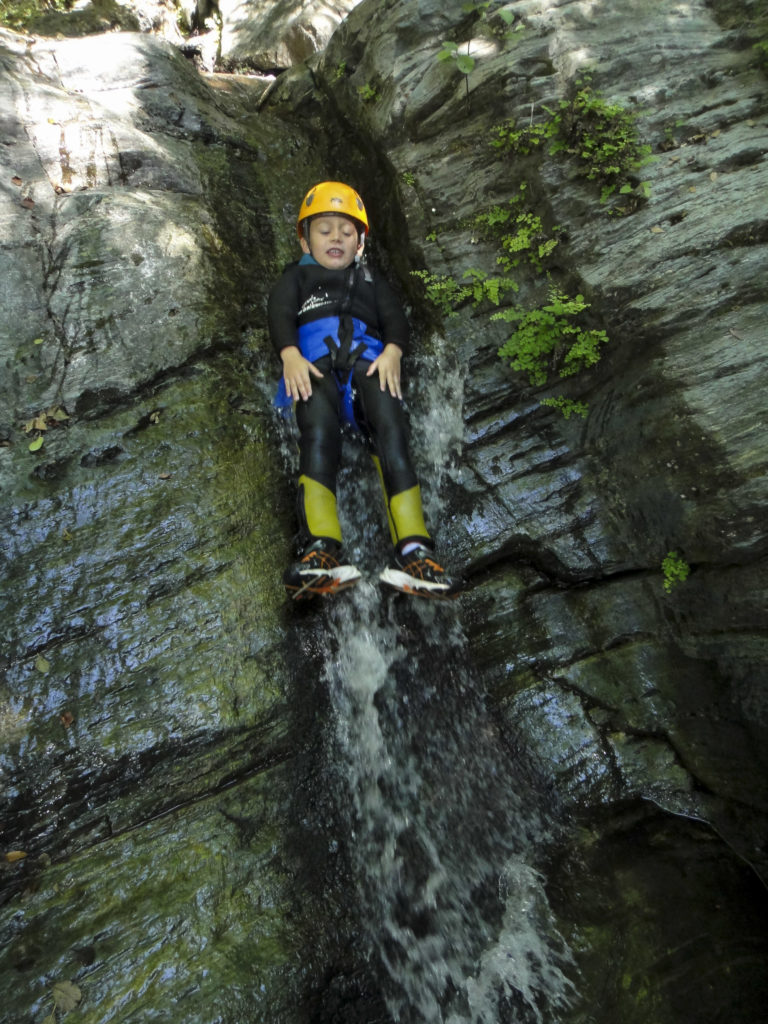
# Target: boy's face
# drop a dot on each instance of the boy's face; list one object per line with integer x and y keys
{"x": 333, "y": 241}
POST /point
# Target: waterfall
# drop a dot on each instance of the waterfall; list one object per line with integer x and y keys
{"x": 441, "y": 837}
{"x": 441, "y": 832}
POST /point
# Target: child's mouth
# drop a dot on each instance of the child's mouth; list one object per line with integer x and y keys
{"x": 335, "y": 252}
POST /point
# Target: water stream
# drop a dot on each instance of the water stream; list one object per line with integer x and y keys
{"x": 442, "y": 833}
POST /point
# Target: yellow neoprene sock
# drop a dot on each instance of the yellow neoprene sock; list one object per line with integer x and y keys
{"x": 319, "y": 507}
{"x": 404, "y": 511}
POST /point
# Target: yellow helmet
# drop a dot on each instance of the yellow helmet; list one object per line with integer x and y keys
{"x": 332, "y": 197}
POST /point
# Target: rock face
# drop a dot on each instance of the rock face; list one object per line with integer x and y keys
{"x": 270, "y": 37}
{"x": 127, "y": 277}
{"x": 158, "y": 731}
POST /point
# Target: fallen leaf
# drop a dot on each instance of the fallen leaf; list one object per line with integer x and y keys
{"x": 165, "y": 476}
{"x": 42, "y": 664}
{"x": 57, "y": 413}
{"x": 713, "y": 176}
{"x": 66, "y": 996}
{"x": 67, "y": 719}
{"x": 16, "y": 180}
{"x": 66, "y": 535}
{"x": 36, "y": 445}
{"x": 154, "y": 417}
{"x": 657, "y": 230}
{"x": 38, "y": 341}
{"x": 27, "y": 203}
{"x": 15, "y": 855}
{"x": 692, "y": 188}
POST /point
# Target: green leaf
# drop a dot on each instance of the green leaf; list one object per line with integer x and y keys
{"x": 465, "y": 63}
{"x": 36, "y": 445}
{"x": 66, "y": 996}
{"x": 38, "y": 341}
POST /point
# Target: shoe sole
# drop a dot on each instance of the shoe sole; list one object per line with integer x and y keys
{"x": 323, "y": 582}
{"x": 407, "y": 584}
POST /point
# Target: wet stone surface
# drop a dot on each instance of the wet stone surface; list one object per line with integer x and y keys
{"x": 232, "y": 812}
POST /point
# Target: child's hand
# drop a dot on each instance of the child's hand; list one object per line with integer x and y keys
{"x": 388, "y": 366}
{"x": 296, "y": 371}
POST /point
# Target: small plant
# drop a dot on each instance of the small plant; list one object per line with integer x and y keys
{"x": 528, "y": 241}
{"x": 485, "y": 288}
{"x": 601, "y": 136}
{"x": 368, "y": 93}
{"x": 408, "y": 178}
{"x": 340, "y": 72}
{"x": 675, "y": 570}
{"x": 442, "y": 291}
{"x": 465, "y": 62}
{"x": 508, "y": 138}
{"x": 567, "y": 406}
{"x": 65, "y": 997}
{"x": 548, "y": 335}
{"x": 446, "y": 294}
{"x": 51, "y": 418}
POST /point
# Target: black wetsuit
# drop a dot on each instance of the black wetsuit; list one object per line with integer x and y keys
{"x": 341, "y": 320}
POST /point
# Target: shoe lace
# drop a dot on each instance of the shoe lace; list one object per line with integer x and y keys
{"x": 319, "y": 559}
{"x": 424, "y": 567}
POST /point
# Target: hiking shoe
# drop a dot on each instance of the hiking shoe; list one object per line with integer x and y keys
{"x": 418, "y": 573}
{"x": 318, "y": 571}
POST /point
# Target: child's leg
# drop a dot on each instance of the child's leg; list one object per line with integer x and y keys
{"x": 319, "y": 455}
{"x": 385, "y": 422}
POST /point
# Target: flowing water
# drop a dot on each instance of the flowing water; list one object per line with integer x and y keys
{"x": 442, "y": 833}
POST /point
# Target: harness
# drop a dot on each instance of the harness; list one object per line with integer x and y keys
{"x": 345, "y": 339}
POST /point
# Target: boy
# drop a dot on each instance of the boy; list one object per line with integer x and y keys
{"x": 341, "y": 333}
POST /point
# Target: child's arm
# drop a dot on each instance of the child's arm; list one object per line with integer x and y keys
{"x": 296, "y": 373}
{"x": 388, "y": 366}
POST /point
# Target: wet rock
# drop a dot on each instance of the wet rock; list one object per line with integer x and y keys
{"x": 151, "y": 729}
{"x": 268, "y": 37}
{"x": 142, "y": 616}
